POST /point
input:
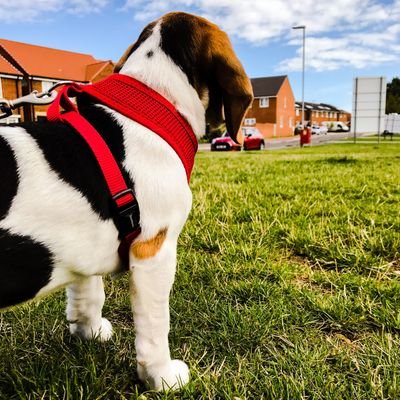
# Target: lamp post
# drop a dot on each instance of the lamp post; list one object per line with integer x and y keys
{"x": 303, "y": 27}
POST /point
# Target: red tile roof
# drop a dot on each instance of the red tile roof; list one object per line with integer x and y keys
{"x": 50, "y": 63}
{"x": 7, "y": 68}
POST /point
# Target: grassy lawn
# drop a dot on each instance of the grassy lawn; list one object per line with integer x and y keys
{"x": 288, "y": 287}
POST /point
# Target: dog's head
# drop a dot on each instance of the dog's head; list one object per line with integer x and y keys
{"x": 204, "y": 53}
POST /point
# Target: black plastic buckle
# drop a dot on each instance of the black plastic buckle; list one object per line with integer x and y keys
{"x": 126, "y": 217}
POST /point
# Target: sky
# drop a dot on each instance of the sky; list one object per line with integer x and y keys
{"x": 344, "y": 38}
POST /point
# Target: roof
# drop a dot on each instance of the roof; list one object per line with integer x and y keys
{"x": 317, "y": 106}
{"x": 267, "y": 86}
{"x": 7, "y": 68}
{"x": 46, "y": 62}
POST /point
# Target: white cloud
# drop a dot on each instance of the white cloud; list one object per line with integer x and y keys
{"x": 28, "y": 10}
{"x": 340, "y": 33}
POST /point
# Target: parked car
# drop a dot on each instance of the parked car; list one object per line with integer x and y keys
{"x": 224, "y": 143}
{"x": 319, "y": 129}
{"x": 253, "y": 140}
{"x": 336, "y": 126}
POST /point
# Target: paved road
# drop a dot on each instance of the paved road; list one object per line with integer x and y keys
{"x": 281, "y": 143}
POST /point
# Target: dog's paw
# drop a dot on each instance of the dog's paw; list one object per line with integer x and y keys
{"x": 103, "y": 332}
{"x": 172, "y": 376}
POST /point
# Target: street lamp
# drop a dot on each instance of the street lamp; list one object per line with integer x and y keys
{"x": 303, "y": 27}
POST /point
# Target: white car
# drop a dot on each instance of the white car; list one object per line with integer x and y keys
{"x": 319, "y": 130}
{"x": 336, "y": 126}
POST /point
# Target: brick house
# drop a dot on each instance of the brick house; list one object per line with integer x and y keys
{"x": 26, "y": 67}
{"x": 321, "y": 112}
{"x": 273, "y": 108}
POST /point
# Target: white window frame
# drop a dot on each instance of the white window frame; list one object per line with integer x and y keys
{"x": 249, "y": 121}
{"x": 264, "y": 102}
{"x": 297, "y": 112}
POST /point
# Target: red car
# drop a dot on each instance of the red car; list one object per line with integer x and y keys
{"x": 253, "y": 140}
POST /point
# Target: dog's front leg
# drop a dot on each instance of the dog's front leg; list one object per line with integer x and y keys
{"x": 151, "y": 282}
{"x": 85, "y": 302}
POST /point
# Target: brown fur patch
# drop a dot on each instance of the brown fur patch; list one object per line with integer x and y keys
{"x": 149, "y": 248}
{"x": 206, "y": 55}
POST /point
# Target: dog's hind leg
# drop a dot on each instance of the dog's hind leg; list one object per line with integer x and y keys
{"x": 151, "y": 282}
{"x": 85, "y": 302}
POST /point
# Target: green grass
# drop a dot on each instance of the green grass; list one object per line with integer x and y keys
{"x": 374, "y": 138}
{"x": 287, "y": 288}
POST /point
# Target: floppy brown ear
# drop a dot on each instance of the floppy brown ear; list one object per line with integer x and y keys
{"x": 231, "y": 89}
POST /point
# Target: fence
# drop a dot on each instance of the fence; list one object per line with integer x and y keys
{"x": 392, "y": 123}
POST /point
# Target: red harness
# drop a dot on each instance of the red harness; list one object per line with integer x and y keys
{"x": 139, "y": 103}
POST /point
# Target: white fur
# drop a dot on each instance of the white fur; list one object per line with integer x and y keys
{"x": 33, "y": 213}
{"x": 165, "y": 200}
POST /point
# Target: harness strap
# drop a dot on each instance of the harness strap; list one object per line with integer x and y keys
{"x": 126, "y": 208}
{"x": 140, "y": 103}
{"x": 111, "y": 171}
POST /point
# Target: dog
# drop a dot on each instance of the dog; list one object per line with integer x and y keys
{"x": 56, "y": 228}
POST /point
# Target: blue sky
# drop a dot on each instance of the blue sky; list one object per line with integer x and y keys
{"x": 345, "y": 38}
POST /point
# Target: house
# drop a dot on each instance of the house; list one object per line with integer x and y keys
{"x": 26, "y": 67}
{"x": 316, "y": 113}
{"x": 273, "y": 109}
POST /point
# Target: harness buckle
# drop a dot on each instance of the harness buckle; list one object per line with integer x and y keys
{"x": 126, "y": 217}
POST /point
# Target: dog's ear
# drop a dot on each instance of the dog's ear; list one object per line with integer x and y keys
{"x": 230, "y": 90}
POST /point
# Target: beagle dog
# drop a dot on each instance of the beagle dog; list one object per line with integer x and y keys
{"x": 56, "y": 228}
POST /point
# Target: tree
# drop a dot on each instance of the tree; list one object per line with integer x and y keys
{"x": 393, "y": 96}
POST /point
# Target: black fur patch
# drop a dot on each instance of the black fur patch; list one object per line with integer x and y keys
{"x": 71, "y": 158}
{"x": 185, "y": 39}
{"x": 9, "y": 177}
{"x": 25, "y": 268}
{"x": 178, "y": 43}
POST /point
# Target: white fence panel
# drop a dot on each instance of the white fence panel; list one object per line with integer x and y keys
{"x": 369, "y": 101}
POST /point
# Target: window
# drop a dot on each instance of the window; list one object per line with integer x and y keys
{"x": 290, "y": 122}
{"x": 284, "y": 102}
{"x": 250, "y": 121}
{"x": 264, "y": 102}
{"x": 281, "y": 121}
{"x": 297, "y": 112}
